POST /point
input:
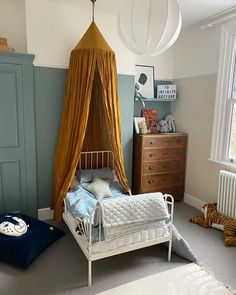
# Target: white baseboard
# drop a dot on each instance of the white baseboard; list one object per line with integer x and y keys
{"x": 45, "y": 214}
{"x": 193, "y": 201}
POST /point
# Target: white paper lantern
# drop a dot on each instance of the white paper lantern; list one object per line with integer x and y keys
{"x": 149, "y": 27}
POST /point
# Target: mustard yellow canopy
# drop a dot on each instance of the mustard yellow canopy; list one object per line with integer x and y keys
{"x": 91, "y": 113}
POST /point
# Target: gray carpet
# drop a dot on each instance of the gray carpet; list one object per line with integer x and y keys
{"x": 62, "y": 268}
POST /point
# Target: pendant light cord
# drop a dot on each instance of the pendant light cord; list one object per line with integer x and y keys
{"x": 93, "y": 3}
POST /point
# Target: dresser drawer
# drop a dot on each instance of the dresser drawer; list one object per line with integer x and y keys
{"x": 164, "y": 141}
{"x": 163, "y": 153}
{"x": 155, "y": 182}
{"x": 163, "y": 166}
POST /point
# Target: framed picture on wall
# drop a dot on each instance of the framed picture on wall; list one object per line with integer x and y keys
{"x": 144, "y": 82}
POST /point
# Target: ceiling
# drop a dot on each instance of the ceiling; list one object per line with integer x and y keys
{"x": 192, "y": 10}
{"x": 197, "y": 10}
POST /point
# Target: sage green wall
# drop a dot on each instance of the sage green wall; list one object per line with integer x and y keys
{"x": 49, "y": 93}
{"x": 162, "y": 108}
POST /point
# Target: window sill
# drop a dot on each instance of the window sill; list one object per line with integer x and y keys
{"x": 228, "y": 165}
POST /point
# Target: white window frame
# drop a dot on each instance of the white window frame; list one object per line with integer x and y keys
{"x": 224, "y": 102}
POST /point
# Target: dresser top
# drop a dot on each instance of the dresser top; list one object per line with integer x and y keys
{"x": 161, "y": 134}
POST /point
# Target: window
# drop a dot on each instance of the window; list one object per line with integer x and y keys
{"x": 223, "y": 147}
{"x": 231, "y": 151}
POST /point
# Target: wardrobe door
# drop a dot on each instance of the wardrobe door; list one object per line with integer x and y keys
{"x": 17, "y": 155}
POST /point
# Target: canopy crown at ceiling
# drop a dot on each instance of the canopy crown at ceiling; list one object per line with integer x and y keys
{"x": 93, "y": 39}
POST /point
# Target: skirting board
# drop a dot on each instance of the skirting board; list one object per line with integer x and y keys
{"x": 45, "y": 214}
{"x": 193, "y": 201}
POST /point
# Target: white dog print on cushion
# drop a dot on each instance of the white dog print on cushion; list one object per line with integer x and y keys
{"x": 13, "y": 226}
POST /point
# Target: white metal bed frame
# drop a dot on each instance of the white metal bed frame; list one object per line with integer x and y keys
{"x": 100, "y": 159}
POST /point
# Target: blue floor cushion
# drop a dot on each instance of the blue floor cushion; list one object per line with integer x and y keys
{"x": 21, "y": 250}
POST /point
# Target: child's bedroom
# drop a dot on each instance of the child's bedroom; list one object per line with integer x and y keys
{"x": 118, "y": 147}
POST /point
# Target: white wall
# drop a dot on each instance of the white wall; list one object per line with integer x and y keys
{"x": 163, "y": 64}
{"x": 196, "y": 52}
{"x": 55, "y": 27}
{"x": 12, "y": 23}
{"x": 196, "y": 56}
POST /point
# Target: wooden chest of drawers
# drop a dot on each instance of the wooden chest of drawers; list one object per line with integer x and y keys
{"x": 159, "y": 164}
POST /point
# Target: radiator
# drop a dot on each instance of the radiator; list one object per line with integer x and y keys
{"x": 226, "y": 202}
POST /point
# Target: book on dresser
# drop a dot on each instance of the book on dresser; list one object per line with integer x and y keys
{"x": 159, "y": 164}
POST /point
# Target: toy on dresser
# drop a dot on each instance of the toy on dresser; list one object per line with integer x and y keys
{"x": 167, "y": 125}
{"x": 212, "y": 218}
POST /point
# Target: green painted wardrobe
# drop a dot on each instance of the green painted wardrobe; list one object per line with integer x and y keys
{"x": 18, "y": 186}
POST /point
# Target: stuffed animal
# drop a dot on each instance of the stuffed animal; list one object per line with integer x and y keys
{"x": 170, "y": 122}
{"x": 212, "y": 218}
{"x": 162, "y": 126}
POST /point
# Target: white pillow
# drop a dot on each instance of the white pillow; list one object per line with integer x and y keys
{"x": 99, "y": 188}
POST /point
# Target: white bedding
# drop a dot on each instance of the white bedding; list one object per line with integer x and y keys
{"x": 141, "y": 236}
{"x": 129, "y": 214}
{"x": 160, "y": 230}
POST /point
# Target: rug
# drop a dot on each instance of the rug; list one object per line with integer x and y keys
{"x": 190, "y": 279}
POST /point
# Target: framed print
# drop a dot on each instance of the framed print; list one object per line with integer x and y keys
{"x": 144, "y": 82}
{"x": 137, "y": 121}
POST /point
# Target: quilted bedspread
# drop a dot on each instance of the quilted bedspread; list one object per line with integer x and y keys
{"x": 121, "y": 216}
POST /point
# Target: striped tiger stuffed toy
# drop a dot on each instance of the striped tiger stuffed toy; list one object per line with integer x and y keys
{"x": 212, "y": 218}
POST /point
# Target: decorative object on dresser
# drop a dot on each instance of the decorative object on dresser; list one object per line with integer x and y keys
{"x": 143, "y": 128}
{"x": 162, "y": 126}
{"x": 167, "y": 125}
{"x": 159, "y": 164}
{"x": 150, "y": 116}
{"x": 137, "y": 121}
{"x": 170, "y": 121}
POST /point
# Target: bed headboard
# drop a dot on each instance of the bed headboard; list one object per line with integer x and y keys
{"x": 96, "y": 160}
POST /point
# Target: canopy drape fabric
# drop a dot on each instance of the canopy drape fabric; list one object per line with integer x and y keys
{"x": 91, "y": 113}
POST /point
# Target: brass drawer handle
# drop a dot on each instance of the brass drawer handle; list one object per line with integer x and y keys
{"x": 150, "y": 181}
{"x": 151, "y": 155}
{"x": 150, "y": 167}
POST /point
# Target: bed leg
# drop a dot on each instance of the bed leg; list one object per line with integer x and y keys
{"x": 169, "y": 250}
{"x": 89, "y": 273}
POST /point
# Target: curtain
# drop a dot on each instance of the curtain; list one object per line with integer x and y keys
{"x": 91, "y": 113}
